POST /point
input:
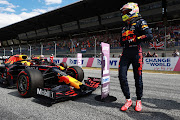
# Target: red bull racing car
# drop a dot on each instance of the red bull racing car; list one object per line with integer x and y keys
{"x": 50, "y": 81}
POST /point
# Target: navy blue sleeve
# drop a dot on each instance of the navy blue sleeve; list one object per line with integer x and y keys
{"x": 145, "y": 30}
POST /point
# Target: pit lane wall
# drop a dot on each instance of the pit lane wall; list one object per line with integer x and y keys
{"x": 149, "y": 63}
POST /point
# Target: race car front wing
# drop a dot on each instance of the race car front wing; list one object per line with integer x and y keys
{"x": 66, "y": 92}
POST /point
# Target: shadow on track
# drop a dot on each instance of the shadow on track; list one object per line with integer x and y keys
{"x": 3, "y": 85}
{"x": 152, "y": 108}
{"x": 146, "y": 114}
{"x": 161, "y": 104}
{"x": 149, "y": 115}
{"x": 91, "y": 100}
{"x": 15, "y": 93}
{"x": 41, "y": 102}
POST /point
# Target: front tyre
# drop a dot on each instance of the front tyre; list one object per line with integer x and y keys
{"x": 76, "y": 72}
{"x": 28, "y": 81}
{"x": 64, "y": 64}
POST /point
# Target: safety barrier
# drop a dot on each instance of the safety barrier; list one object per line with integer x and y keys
{"x": 149, "y": 63}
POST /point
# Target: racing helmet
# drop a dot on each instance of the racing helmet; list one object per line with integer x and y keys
{"x": 129, "y": 11}
{"x": 41, "y": 57}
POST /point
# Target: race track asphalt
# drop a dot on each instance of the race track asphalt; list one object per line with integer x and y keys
{"x": 161, "y": 101}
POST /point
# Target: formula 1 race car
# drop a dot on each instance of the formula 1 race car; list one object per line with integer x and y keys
{"x": 46, "y": 81}
{"x": 10, "y": 68}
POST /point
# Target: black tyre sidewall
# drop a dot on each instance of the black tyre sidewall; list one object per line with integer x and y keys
{"x": 78, "y": 71}
{"x": 34, "y": 80}
{"x": 63, "y": 64}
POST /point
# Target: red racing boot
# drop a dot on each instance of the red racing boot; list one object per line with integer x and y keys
{"x": 138, "y": 105}
{"x": 126, "y": 105}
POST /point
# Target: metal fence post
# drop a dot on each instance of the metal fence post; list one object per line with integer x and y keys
{"x": 41, "y": 48}
{"x": 4, "y": 51}
{"x": 55, "y": 48}
{"x": 29, "y": 50}
{"x": 19, "y": 49}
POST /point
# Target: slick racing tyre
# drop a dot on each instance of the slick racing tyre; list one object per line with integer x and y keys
{"x": 64, "y": 64}
{"x": 76, "y": 72}
{"x": 28, "y": 81}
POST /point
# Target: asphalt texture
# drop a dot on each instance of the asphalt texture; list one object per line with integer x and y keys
{"x": 161, "y": 101}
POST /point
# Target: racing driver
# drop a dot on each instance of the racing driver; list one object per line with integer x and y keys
{"x": 134, "y": 31}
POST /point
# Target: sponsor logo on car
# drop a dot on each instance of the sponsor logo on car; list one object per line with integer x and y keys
{"x": 46, "y": 93}
{"x": 31, "y": 67}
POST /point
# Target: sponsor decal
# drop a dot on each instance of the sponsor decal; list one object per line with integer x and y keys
{"x": 71, "y": 61}
{"x": 163, "y": 68}
{"x": 165, "y": 64}
{"x": 132, "y": 27}
{"x": 105, "y": 48}
{"x": 98, "y": 62}
{"x": 56, "y": 61}
{"x": 158, "y": 61}
{"x": 105, "y": 79}
{"x": 46, "y": 93}
{"x": 31, "y": 67}
{"x": 111, "y": 62}
{"x": 129, "y": 38}
{"x": 105, "y": 65}
{"x": 105, "y": 90}
{"x": 75, "y": 61}
{"x": 127, "y": 33}
{"x": 150, "y": 63}
{"x": 79, "y": 59}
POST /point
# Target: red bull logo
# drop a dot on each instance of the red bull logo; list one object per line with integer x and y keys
{"x": 127, "y": 33}
{"x": 129, "y": 38}
{"x": 16, "y": 58}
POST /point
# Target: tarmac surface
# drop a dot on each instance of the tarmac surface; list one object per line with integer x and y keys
{"x": 161, "y": 101}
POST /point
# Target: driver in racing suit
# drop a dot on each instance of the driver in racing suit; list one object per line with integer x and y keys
{"x": 133, "y": 33}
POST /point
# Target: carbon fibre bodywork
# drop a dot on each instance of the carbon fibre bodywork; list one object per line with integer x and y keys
{"x": 65, "y": 92}
{"x": 54, "y": 82}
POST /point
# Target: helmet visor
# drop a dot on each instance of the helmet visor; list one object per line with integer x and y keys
{"x": 126, "y": 11}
